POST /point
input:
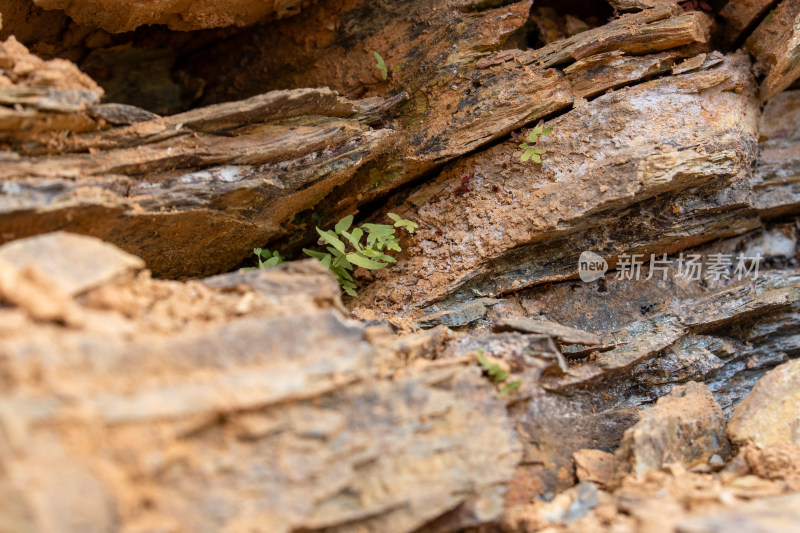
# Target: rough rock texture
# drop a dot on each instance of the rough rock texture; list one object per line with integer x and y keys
{"x": 743, "y": 15}
{"x": 39, "y": 96}
{"x": 776, "y": 185}
{"x": 251, "y": 401}
{"x": 191, "y": 193}
{"x": 268, "y": 397}
{"x": 780, "y": 462}
{"x": 482, "y": 94}
{"x": 596, "y": 466}
{"x": 686, "y": 426}
{"x": 776, "y": 46}
{"x": 184, "y": 15}
{"x": 61, "y": 258}
{"x": 658, "y": 501}
{"x": 771, "y": 412}
{"x": 776, "y": 515}
{"x": 19, "y": 69}
{"x": 634, "y": 145}
{"x": 463, "y": 99}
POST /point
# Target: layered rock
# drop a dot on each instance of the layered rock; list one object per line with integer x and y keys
{"x": 120, "y": 16}
{"x": 247, "y": 401}
{"x": 661, "y": 153}
{"x": 775, "y": 44}
{"x": 211, "y": 183}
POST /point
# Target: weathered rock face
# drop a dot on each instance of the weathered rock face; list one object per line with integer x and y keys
{"x": 211, "y": 183}
{"x": 481, "y": 95}
{"x": 124, "y": 15}
{"x": 686, "y": 426}
{"x": 520, "y": 225}
{"x": 253, "y": 384}
{"x": 251, "y": 401}
{"x": 776, "y": 186}
{"x": 778, "y": 514}
{"x": 776, "y": 46}
{"x": 771, "y": 412}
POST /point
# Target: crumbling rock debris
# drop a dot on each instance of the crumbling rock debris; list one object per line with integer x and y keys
{"x": 779, "y": 462}
{"x": 780, "y": 514}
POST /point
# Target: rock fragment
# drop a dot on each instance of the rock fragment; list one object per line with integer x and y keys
{"x": 596, "y": 466}
{"x": 770, "y": 414}
{"x": 72, "y": 263}
{"x": 686, "y": 426}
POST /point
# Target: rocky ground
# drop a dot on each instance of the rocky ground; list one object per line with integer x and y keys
{"x": 478, "y": 384}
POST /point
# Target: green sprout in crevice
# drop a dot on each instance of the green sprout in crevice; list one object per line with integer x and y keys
{"x": 383, "y": 68}
{"x": 498, "y": 376}
{"x": 367, "y": 246}
{"x": 271, "y": 259}
{"x": 530, "y": 150}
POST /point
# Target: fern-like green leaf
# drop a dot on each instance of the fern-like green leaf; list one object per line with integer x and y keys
{"x": 364, "y": 262}
{"x": 400, "y": 222}
{"x": 273, "y": 261}
{"x": 350, "y": 290}
{"x": 314, "y": 253}
{"x": 332, "y": 239}
{"x": 326, "y": 261}
{"x": 344, "y": 224}
{"x": 381, "y": 65}
{"x": 379, "y": 230}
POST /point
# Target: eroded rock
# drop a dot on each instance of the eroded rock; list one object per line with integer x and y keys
{"x": 776, "y": 46}
{"x": 499, "y": 241}
{"x": 72, "y": 263}
{"x": 596, "y": 466}
{"x": 778, "y": 515}
{"x": 196, "y": 192}
{"x": 247, "y": 401}
{"x": 121, "y": 15}
{"x": 686, "y": 426}
{"x": 771, "y": 412}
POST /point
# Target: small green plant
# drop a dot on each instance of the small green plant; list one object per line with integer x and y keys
{"x": 380, "y": 238}
{"x": 531, "y": 152}
{"x": 384, "y": 70}
{"x": 371, "y": 254}
{"x": 497, "y": 375}
{"x": 272, "y": 259}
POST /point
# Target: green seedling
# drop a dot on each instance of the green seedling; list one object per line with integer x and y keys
{"x": 497, "y": 375}
{"x": 384, "y": 70}
{"x": 272, "y": 259}
{"x": 367, "y": 246}
{"x": 530, "y": 150}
